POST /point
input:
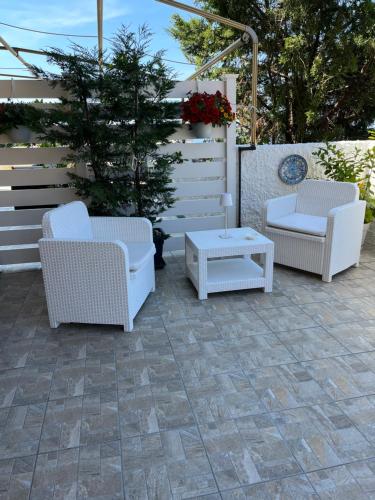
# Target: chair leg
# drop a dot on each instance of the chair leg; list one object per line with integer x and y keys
{"x": 54, "y": 324}
{"x": 153, "y": 280}
{"x": 327, "y": 278}
{"x": 356, "y": 264}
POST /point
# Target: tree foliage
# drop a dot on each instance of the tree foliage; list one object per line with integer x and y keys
{"x": 114, "y": 119}
{"x": 316, "y": 64}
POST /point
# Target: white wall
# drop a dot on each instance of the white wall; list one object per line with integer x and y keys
{"x": 260, "y": 180}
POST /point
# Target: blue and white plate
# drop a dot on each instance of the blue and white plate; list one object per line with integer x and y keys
{"x": 293, "y": 169}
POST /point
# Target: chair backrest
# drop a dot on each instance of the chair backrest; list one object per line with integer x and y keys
{"x": 317, "y": 197}
{"x": 70, "y": 221}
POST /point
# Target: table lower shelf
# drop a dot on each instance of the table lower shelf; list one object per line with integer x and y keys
{"x": 229, "y": 274}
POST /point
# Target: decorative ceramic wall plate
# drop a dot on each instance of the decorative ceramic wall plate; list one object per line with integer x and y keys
{"x": 293, "y": 169}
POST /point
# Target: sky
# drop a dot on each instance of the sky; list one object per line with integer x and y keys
{"x": 79, "y": 17}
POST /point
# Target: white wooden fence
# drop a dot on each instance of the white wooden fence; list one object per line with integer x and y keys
{"x": 209, "y": 168}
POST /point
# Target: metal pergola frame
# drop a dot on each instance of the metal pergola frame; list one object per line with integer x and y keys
{"x": 99, "y": 13}
{"x": 16, "y": 50}
{"x": 248, "y": 34}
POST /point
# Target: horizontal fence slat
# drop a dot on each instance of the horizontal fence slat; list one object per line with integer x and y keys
{"x": 174, "y": 243}
{"x": 193, "y": 224}
{"x": 19, "y": 256}
{"x": 49, "y": 105}
{"x": 184, "y": 132}
{"x": 182, "y": 88}
{"x": 35, "y": 176}
{"x": 20, "y": 236}
{"x": 32, "y": 197}
{"x": 199, "y": 169}
{"x": 29, "y": 156}
{"x": 39, "y": 89}
{"x": 196, "y": 150}
{"x": 198, "y": 188}
{"x": 28, "y": 217}
{"x": 29, "y": 89}
{"x": 194, "y": 207}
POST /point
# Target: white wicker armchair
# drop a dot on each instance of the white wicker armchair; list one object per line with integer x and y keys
{"x": 95, "y": 269}
{"x": 318, "y": 229}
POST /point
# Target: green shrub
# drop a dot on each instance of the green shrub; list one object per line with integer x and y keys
{"x": 357, "y": 166}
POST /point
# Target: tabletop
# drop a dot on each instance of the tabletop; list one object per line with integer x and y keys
{"x": 240, "y": 238}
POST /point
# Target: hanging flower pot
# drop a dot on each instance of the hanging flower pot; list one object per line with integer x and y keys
{"x": 202, "y": 130}
{"x": 204, "y": 111}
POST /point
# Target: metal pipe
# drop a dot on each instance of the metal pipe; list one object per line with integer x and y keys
{"x": 29, "y": 51}
{"x": 100, "y": 31}
{"x": 254, "y": 95}
{"x": 212, "y": 17}
{"x": 217, "y": 58}
{"x": 15, "y": 54}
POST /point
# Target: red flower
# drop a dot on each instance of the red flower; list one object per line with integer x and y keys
{"x": 207, "y": 108}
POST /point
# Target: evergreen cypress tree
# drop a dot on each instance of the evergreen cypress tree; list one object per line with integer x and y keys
{"x": 138, "y": 85}
{"x": 114, "y": 119}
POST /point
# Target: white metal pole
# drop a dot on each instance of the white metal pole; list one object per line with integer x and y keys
{"x": 209, "y": 15}
{"x": 100, "y": 31}
{"x": 15, "y": 54}
{"x": 217, "y": 58}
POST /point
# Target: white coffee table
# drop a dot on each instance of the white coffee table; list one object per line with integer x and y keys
{"x": 210, "y": 272}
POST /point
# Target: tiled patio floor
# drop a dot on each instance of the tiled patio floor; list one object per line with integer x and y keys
{"x": 244, "y": 395}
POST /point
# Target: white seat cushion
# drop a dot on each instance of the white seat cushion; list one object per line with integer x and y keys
{"x": 139, "y": 253}
{"x": 302, "y": 223}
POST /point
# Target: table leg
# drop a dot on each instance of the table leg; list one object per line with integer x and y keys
{"x": 268, "y": 269}
{"x": 189, "y": 257}
{"x": 202, "y": 277}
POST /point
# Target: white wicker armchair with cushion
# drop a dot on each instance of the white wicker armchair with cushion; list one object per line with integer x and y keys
{"x": 318, "y": 229}
{"x": 95, "y": 269}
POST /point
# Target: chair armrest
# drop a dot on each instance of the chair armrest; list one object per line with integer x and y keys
{"x": 353, "y": 209}
{"x": 136, "y": 229}
{"x": 344, "y": 236}
{"x": 84, "y": 255}
{"x": 278, "y": 207}
{"x": 345, "y": 223}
